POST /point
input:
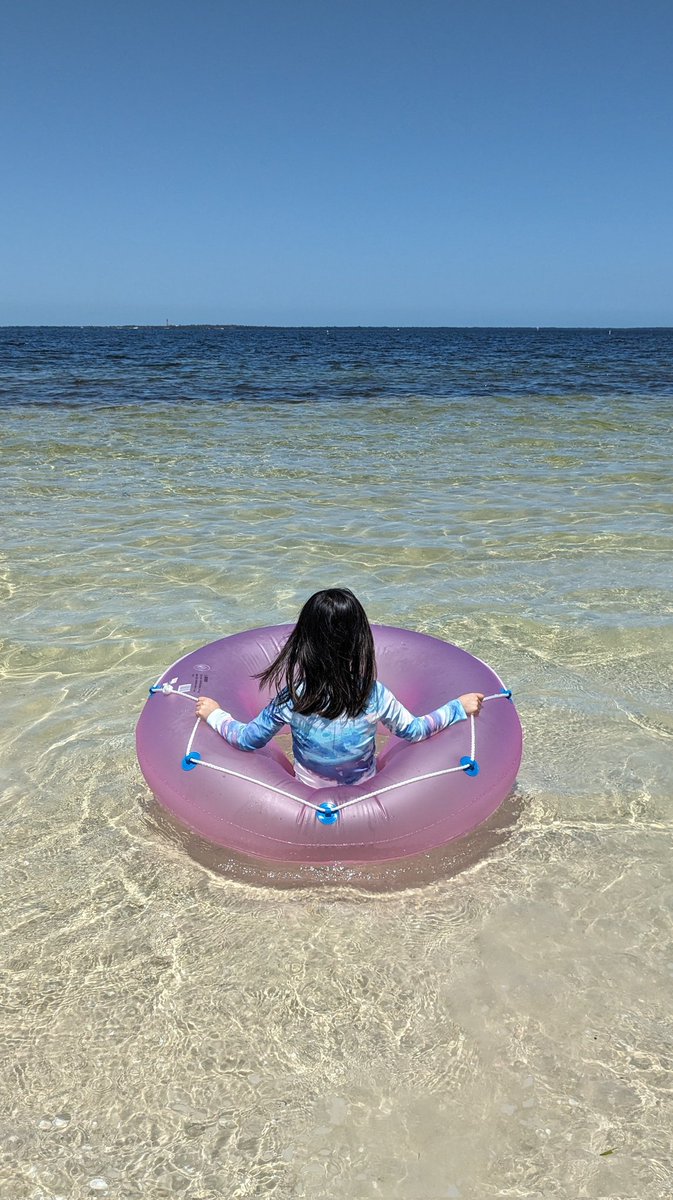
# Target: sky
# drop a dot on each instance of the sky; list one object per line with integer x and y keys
{"x": 336, "y": 162}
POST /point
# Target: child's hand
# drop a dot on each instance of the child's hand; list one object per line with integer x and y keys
{"x": 471, "y": 702}
{"x": 205, "y": 706}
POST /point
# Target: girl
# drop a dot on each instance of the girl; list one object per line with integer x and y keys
{"x": 327, "y": 692}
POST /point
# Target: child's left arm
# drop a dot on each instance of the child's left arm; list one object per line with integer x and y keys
{"x": 405, "y": 725}
{"x": 250, "y": 736}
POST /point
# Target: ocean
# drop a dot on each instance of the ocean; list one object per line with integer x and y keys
{"x": 489, "y": 1021}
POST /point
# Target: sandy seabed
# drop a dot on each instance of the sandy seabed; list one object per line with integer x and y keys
{"x": 491, "y": 1021}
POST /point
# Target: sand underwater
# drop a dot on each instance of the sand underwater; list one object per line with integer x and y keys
{"x": 491, "y": 1021}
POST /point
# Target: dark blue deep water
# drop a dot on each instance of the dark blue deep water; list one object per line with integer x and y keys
{"x": 74, "y": 366}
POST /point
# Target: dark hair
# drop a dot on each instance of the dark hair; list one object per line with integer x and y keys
{"x": 327, "y": 664}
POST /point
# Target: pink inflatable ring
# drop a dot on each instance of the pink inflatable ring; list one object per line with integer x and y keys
{"x": 424, "y": 794}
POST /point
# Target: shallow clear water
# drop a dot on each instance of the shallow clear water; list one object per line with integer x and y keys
{"x": 486, "y": 1022}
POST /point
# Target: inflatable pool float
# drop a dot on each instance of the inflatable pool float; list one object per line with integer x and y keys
{"x": 424, "y": 794}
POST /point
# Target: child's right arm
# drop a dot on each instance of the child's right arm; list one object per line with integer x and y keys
{"x": 250, "y": 736}
{"x": 416, "y": 729}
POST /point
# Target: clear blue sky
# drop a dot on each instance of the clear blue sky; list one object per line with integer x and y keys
{"x": 439, "y": 162}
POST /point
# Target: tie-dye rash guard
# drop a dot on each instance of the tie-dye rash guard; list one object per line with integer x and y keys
{"x": 340, "y": 751}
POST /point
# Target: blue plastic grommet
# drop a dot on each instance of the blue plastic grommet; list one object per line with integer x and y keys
{"x": 328, "y": 813}
{"x": 157, "y": 687}
{"x": 469, "y": 765}
{"x": 190, "y": 761}
{"x": 506, "y": 692}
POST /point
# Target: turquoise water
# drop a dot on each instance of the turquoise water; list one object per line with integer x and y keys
{"x": 485, "y": 1022}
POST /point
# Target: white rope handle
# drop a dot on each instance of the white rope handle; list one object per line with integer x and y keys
{"x": 269, "y": 787}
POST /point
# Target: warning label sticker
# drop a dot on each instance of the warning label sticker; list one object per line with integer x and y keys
{"x": 199, "y": 679}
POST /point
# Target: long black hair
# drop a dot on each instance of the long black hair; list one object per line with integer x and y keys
{"x": 327, "y": 665}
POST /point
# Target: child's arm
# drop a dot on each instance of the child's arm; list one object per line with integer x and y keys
{"x": 416, "y": 729}
{"x": 252, "y": 736}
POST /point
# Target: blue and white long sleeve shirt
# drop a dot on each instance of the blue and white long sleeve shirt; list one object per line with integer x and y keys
{"x": 329, "y": 752}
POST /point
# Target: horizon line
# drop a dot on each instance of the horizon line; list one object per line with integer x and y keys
{"x": 270, "y": 325}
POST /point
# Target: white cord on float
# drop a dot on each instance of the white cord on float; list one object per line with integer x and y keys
{"x": 270, "y": 787}
{"x": 190, "y": 743}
